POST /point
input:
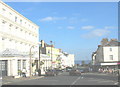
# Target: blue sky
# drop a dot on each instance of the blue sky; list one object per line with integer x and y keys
{"x": 74, "y": 27}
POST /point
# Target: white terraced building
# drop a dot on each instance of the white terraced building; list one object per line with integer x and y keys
{"x": 17, "y": 35}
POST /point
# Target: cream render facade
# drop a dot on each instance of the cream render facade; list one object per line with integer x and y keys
{"x": 17, "y": 35}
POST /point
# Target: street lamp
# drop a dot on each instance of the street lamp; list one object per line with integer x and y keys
{"x": 31, "y": 57}
{"x": 39, "y": 70}
{"x": 51, "y": 54}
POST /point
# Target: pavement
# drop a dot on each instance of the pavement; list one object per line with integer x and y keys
{"x": 7, "y": 80}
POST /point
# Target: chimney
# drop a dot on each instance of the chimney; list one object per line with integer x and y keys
{"x": 104, "y": 41}
{"x": 42, "y": 43}
{"x": 99, "y": 45}
{"x": 113, "y": 40}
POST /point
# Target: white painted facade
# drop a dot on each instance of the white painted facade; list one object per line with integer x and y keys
{"x": 110, "y": 53}
{"x": 19, "y": 34}
{"x": 67, "y": 60}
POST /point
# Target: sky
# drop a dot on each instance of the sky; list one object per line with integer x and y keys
{"x": 75, "y": 27}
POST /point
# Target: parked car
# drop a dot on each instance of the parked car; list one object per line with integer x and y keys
{"x": 51, "y": 72}
{"x": 75, "y": 72}
{"x": 58, "y": 70}
{"x": 68, "y": 69}
{"x": 83, "y": 70}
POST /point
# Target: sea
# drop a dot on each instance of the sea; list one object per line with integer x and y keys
{"x": 80, "y": 61}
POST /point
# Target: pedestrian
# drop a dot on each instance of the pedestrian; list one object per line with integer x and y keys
{"x": 24, "y": 72}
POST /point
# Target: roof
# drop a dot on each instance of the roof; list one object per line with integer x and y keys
{"x": 113, "y": 43}
{"x": 10, "y": 52}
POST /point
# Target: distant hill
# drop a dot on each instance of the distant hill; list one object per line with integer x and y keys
{"x": 80, "y": 61}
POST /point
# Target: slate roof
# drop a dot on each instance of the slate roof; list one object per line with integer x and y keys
{"x": 113, "y": 43}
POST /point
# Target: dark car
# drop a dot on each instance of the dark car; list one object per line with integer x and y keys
{"x": 75, "y": 72}
{"x": 58, "y": 70}
{"x": 68, "y": 69}
{"x": 51, "y": 72}
{"x": 83, "y": 70}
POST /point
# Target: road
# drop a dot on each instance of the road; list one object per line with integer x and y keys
{"x": 65, "y": 79}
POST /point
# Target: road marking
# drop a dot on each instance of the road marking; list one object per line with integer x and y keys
{"x": 116, "y": 83}
{"x": 6, "y": 83}
{"x": 35, "y": 78}
{"x": 75, "y": 81}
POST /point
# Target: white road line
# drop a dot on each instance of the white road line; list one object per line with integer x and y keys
{"x": 6, "y": 83}
{"x": 75, "y": 80}
{"x": 116, "y": 83}
{"x": 35, "y": 78}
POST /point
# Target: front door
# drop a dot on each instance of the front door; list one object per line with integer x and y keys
{"x": 3, "y": 67}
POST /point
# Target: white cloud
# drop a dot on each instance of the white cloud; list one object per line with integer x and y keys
{"x": 97, "y": 33}
{"x": 70, "y": 27}
{"x": 110, "y": 27}
{"x": 87, "y": 27}
{"x": 84, "y": 20}
{"x": 52, "y": 18}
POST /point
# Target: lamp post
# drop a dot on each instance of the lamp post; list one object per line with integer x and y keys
{"x": 31, "y": 57}
{"x": 39, "y": 70}
{"x": 51, "y": 54}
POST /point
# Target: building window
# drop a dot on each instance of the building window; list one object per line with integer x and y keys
{"x": 19, "y": 65}
{"x": 20, "y": 21}
{"x": 3, "y": 22}
{"x": 110, "y": 49}
{"x": 111, "y": 57}
{"x": 48, "y": 51}
{"x": 3, "y": 38}
{"x": 10, "y": 40}
{"x": 3, "y": 9}
{"x": 10, "y": 13}
{"x": 10, "y": 25}
{"x": 24, "y": 64}
{"x": 15, "y": 19}
{"x": 16, "y": 28}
